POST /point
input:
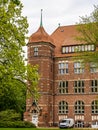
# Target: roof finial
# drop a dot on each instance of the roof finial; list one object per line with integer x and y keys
{"x": 59, "y": 24}
{"x": 41, "y": 24}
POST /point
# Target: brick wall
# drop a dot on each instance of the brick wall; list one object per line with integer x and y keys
{"x": 49, "y": 88}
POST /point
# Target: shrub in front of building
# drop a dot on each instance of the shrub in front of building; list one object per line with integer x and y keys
{"x": 12, "y": 119}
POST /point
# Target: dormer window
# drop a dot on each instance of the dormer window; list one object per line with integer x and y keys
{"x": 35, "y": 51}
{"x": 77, "y": 48}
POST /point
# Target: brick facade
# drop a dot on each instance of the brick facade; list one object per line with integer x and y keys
{"x": 49, "y": 55}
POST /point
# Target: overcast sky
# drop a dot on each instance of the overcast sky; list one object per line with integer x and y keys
{"x": 65, "y": 12}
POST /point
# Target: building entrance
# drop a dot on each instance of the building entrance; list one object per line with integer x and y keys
{"x": 35, "y": 119}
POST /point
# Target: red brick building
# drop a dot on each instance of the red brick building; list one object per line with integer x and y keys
{"x": 68, "y": 88}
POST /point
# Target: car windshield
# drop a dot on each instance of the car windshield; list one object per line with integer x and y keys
{"x": 65, "y": 121}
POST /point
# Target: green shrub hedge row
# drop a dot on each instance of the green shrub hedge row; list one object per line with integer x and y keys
{"x": 16, "y": 124}
{"x": 10, "y": 115}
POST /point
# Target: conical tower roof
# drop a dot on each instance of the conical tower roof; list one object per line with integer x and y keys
{"x": 40, "y": 35}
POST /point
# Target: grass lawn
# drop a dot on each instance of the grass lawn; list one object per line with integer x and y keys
{"x": 45, "y": 129}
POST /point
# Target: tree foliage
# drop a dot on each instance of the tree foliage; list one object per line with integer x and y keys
{"x": 88, "y": 28}
{"x": 33, "y": 77}
{"x": 13, "y": 72}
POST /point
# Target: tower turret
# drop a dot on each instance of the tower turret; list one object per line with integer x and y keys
{"x": 41, "y": 52}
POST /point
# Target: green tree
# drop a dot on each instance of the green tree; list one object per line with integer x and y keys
{"x": 13, "y": 72}
{"x": 88, "y": 29}
{"x": 32, "y": 78}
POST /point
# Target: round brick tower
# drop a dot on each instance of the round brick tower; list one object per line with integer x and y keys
{"x": 41, "y": 52}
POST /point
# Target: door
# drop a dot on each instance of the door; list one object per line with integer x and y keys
{"x": 35, "y": 119}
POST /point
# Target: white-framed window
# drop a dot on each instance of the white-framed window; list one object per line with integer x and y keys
{"x": 63, "y": 49}
{"x": 92, "y": 47}
{"x": 63, "y": 87}
{"x": 89, "y": 47}
{"x": 83, "y": 48}
{"x": 77, "y": 48}
{"x": 63, "y": 107}
{"x": 66, "y": 49}
{"x": 80, "y": 48}
{"x": 70, "y": 49}
{"x": 73, "y": 48}
{"x": 94, "y": 107}
{"x": 79, "y": 107}
{"x": 86, "y": 47}
{"x": 35, "y": 51}
{"x": 93, "y": 67}
{"x": 79, "y": 86}
{"x": 63, "y": 68}
{"x": 78, "y": 67}
{"x": 94, "y": 86}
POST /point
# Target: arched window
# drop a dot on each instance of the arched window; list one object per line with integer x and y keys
{"x": 63, "y": 107}
{"x": 94, "y": 107}
{"x": 79, "y": 107}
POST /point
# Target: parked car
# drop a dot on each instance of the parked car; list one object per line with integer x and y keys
{"x": 66, "y": 123}
{"x": 94, "y": 124}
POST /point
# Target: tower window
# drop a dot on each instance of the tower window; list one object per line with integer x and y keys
{"x": 35, "y": 51}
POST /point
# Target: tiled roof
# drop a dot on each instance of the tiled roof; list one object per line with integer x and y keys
{"x": 40, "y": 36}
{"x": 64, "y": 36}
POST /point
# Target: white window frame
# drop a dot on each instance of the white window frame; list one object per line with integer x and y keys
{"x": 79, "y": 86}
{"x": 63, "y": 87}
{"x": 35, "y": 51}
{"x": 94, "y": 107}
{"x": 63, "y": 67}
{"x": 79, "y": 107}
{"x": 78, "y": 67}
{"x": 63, "y": 107}
{"x": 94, "y": 86}
{"x": 93, "y": 67}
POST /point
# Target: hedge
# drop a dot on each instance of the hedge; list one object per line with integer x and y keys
{"x": 16, "y": 124}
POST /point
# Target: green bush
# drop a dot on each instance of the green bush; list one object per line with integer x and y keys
{"x": 9, "y": 115}
{"x": 16, "y": 124}
{"x": 12, "y": 119}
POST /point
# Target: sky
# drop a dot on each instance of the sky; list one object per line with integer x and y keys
{"x": 55, "y": 12}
